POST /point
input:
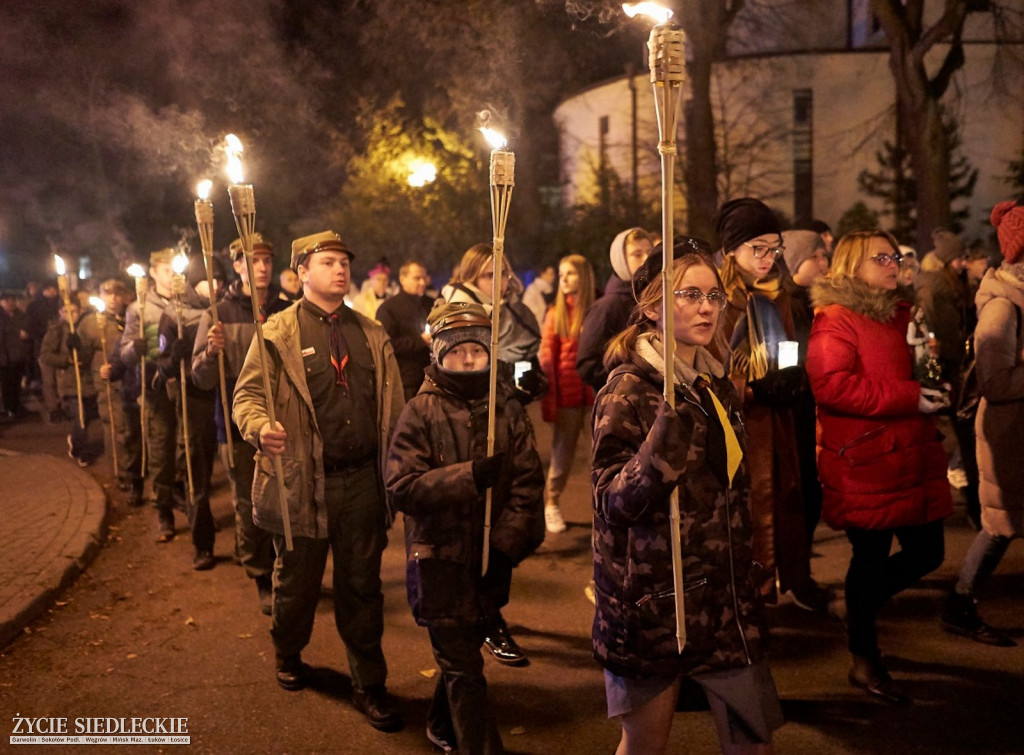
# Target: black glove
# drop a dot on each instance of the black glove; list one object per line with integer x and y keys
{"x": 140, "y": 347}
{"x": 485, "y": 471}
{"x": 781, "y": 387}
{"x": 180, "y": 351}
{"x": 74, "y": 342}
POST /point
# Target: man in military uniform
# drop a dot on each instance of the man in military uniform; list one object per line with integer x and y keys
{"x": 337, "y": 396}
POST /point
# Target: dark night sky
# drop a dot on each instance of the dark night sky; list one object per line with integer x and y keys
{"x": 113, "y": 109}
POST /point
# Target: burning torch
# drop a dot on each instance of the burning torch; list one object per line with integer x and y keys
{"x": 668, "y": 69}
{"x": 179, "y": 264}
{"x": 141, "y": 289}
{"x": 62, "y": 283}
{"x": 243, "y": 207}
{"x": 204, "y": 220}
{"x": 101, "y": 323}
{"x": 503, "y": 168}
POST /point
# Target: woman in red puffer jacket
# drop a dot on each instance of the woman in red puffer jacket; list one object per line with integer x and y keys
{"x": 568, "y": 399}
{"x": 880, "y": 460}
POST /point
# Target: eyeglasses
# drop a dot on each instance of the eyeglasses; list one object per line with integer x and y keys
{"x": 695, "y": 297}
{"x": 761, "y": 251}
{"x": 884, "y": 259}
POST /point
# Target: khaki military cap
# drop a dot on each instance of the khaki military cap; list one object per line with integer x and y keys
{"x": 325, "y": 241}
{"x": 258, "y": 245}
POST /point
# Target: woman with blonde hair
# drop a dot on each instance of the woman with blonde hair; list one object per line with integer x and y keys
{"x": 882, "y": 467}
{"x": 644, "y": 449}
{"x": 568, "y": 399}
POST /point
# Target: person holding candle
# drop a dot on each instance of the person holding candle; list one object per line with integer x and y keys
{"x": 644, "y": 449}
{"x": 58, "y": 351}
{"x": 882, "y": 467}
{"x": 757, "y": 319}
{"x": 568, "y": 400}
{"x": 518, "y": 341}
{"x": 140, "y": 349}
{"x": 337, "y": 397}
{"x": 232, "y": 336}
{"x": 437, "y": 474}
{"x": 404, "y": 317}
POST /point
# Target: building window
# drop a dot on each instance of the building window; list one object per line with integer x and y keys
{"x": 803, "y": 155}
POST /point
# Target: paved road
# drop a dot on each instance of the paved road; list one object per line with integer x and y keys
{"x": 140, "y": 634}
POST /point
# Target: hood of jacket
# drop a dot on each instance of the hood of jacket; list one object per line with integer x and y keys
{"x": 858, "y": 296}
{"x": 1002, "y": 282}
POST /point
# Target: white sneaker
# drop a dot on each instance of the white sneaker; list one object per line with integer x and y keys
{"x": 957, "y": 478}
{"x": 553, "y": 518}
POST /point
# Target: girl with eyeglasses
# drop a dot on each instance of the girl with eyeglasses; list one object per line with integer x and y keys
{"x": 644, "y": 448}
{"x": 757, "y": 319}
{"x": 882, "y": 467}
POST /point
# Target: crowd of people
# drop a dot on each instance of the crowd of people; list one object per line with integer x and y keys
{"x": 807, "y": 378}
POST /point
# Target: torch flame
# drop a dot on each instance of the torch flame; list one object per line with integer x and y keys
{"x": 58, "y": 262}
{"x": 496, "y": 139}
{"x": 653, "y": 10}
{"x": 179, "y": 263}
{"x": 98, "y": 304}
{"x": 203, "y": 189}
{"x": 234, "y": 150}
{"x": 136, "y": 270}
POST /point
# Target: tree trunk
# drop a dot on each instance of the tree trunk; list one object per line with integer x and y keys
{"x": 700, "y": 167}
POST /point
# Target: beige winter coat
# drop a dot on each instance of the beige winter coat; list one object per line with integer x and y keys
{"x": 303, "y": 456}
{"x": 1000, "y": 368}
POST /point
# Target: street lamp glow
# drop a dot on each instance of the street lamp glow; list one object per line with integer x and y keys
{"x": 98, "y": 304}
{"x": 421, "y": 174}
{"x": 203, "y": 189}
{"x": 652, "y": 10}
{"x": 496, "y": 139}
{"x": 58, "y": 263}
{"x": 136, "y": 270}
{"x": 234, "y": 151}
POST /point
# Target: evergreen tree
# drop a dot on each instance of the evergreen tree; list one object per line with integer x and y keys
{"x": 894, "y": 183}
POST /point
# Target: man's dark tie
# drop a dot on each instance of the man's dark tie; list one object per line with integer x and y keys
{"x": 339, "y": 350}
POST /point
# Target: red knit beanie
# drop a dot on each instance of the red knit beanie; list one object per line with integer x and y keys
{"x": 1008, "y": 219}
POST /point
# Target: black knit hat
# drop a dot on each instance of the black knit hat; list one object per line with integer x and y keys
{"x": 743, "y": 219}
{"x": 452, "y": 323}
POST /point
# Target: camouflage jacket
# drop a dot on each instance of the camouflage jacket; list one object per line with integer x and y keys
{"x": 642, "y": 450}
{"x": 429, "y": 478}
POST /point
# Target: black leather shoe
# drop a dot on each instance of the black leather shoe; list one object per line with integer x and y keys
{"x": 265, "y": 588}
{"x": 292, "y": 673}
{"x": 203, "y": 561}
{"x": 440, "y": 741}
{"x": 501, "y": 645}
{"x": 165, "y": 528}
{"x": 378, "y": 707}
{"x": 960, "y": 616}
{"x": 870, "y": 675}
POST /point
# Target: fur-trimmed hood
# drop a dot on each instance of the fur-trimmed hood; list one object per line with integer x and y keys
{"x": 859, "y": 297}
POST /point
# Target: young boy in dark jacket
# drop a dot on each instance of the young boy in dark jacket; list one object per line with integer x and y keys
{"x": 438, "y": 473}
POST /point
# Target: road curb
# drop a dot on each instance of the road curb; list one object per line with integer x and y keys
{"x": 37, "y": 593}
